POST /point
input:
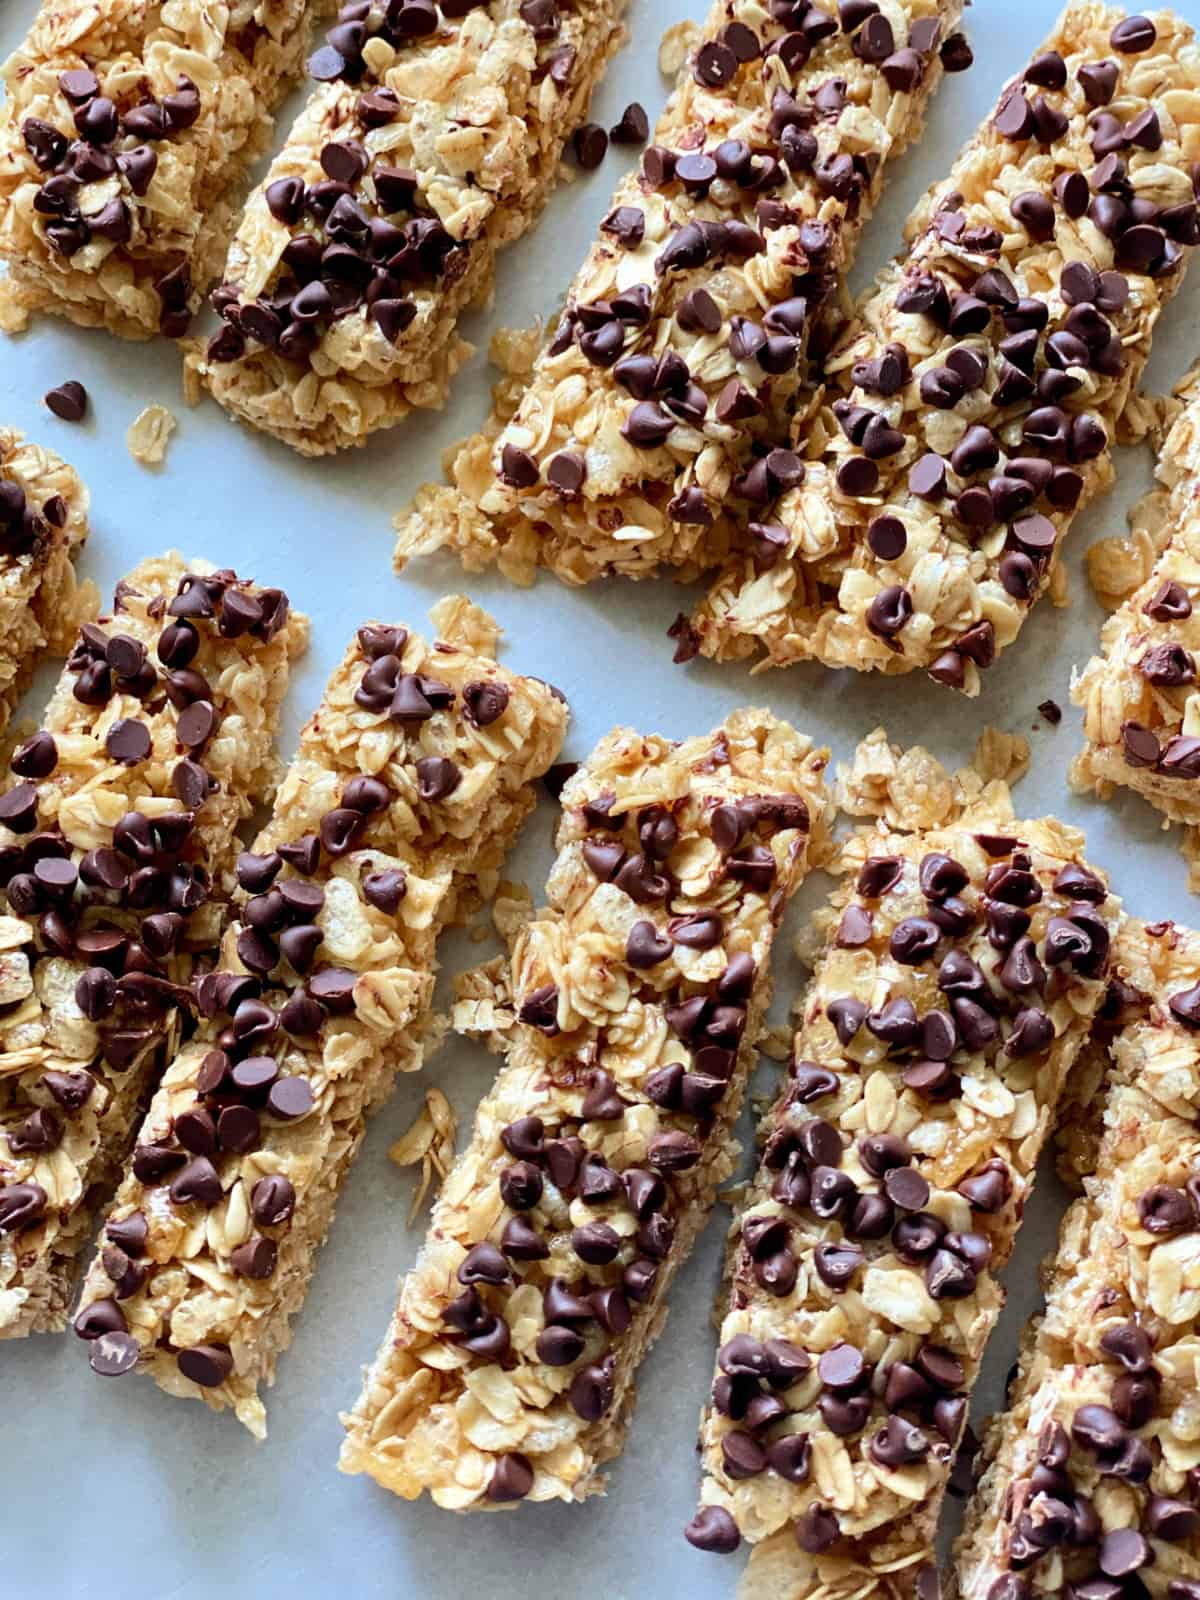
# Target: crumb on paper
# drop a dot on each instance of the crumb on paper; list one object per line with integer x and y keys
{"x": 1051, "y": 711}
{"x": 675, "y": 47}
{"x": 149, "y": 434}
{"x": 429, "y": 1141}
{"x": 483, "y": 1006}
{"x": 514, "y": 350}
{"x": 1000, "y": 757}
{"x": 776, "y": 1043}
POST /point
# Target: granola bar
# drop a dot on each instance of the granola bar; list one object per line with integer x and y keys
{"x": 43, "y": 525}
{"x": 686, "y": 332}
{"x": 156, "y": 744}
{"x": 973, "y": 404}
{"x": 508, "y": 1371}
{"x": 127, "y": 127}
{"x": 413, "y": 777}
{"x": 1092, "y": 1476}
{"x": 962, "y": 967}
{"x": 1141, "y": 716}
{"x": 433, "y": 141}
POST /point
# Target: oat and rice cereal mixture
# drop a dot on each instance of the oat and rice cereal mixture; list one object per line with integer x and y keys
{"x": 114, "y": 836}
{"x": 432, "y": 140}
{"x": 125, "y": 132}
{"x": 43, "y": 526}
{"x": 667, "y": 386}
{"x": 413, "y": 777}
{"x": 1093, "y": 1471}
{"x": 962, "y": 966}
{"x": 973, "y": 402}
{"x": 508, "y": 1372}
{"x": 1141, "y": 708}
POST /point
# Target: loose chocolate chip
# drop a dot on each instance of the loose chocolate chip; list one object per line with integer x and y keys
{"x": 713, "y": 1529}
{"x": 590, "y": 144}
{"x": 69, "y": 401}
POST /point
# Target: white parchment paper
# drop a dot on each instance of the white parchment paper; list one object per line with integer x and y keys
{"x": 112, "y": 1490}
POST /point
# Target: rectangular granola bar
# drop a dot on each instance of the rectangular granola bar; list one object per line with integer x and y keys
{"x": 973, "y": 403}
{"x": 1141, "y": 714}
{"x": 413, "y": 777}
{"x": 155, "y": 746}
{"x": 509, "y": 1368}
{"x": 1092, "y": 1474}
{"x": 687, "y": 330}
{"x": 962, "y": 968}
{"x": 43, "y": 526}
{"x": 432, "y": 142}
{"x": 125, "y": 131}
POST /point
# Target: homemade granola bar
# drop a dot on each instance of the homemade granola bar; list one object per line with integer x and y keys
{"x": 125, "y": 131}
{"x": 962, "y": 968}
{"x": 1141, "y": 716}
{"x": 509, "y": 1368}
{"x": 973, "y": 404}
{"x": 156, "y": 744}
{"x": 433, "y": 141}
{"x": 413, "y": 777}
{"x": 686, "y": 332}
{"x": 1094, "y": 1469}
{"x": 43, "y": 525}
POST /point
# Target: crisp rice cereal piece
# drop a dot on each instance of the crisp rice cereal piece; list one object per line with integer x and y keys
{"x": 974, "y": 398}
{"x": 414, "y": 776}
{"x": 1141, "y": 706}
{"x": 962, "y": 968}
{"x": 446, "y": 147}
{"x": 684, "y": 342}
{"x": 43, "y": 526}
{"x": 155, "y": 747}
{"x": 509, "y": 1367}
{"x": 126, "y": 130}
{"x": 1093, "y": 1467}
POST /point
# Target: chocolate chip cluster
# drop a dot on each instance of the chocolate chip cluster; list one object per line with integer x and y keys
{"x": 970, "y": 957}
{"x": 111, "y": 139}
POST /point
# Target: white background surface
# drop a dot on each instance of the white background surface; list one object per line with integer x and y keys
{"x": 112, "y": 1489}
